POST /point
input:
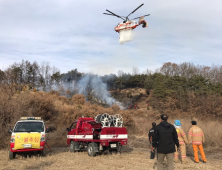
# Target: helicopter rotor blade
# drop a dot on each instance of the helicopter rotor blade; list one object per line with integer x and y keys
{"x": 139, "y": 17}
{"x": 135, "y": 9}
{"x": 111, "y": 14}
{"x": 108, "y": 14}
{"x": 115, "y": 14}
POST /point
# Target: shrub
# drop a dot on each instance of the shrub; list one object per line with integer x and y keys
{"x": 79, "y": 99}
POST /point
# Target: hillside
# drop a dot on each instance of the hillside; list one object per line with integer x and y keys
{"x": 59, "y": 112}
{"x": 185, "y": 89}
{"x": 170, "y": 105}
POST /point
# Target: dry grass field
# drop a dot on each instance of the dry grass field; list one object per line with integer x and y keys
{"x": 130, "y": 159}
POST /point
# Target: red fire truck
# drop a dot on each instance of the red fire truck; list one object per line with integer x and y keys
{"x": 104, "y": 133}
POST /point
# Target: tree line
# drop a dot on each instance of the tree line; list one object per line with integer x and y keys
{"x": 169, "y": 78}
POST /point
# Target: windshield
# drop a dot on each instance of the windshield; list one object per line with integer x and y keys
{"x": 29, "y": 127}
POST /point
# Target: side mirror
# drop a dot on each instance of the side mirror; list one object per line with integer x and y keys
{"x": 68, "y": 129}
{"x": 47, "y": 130}
{"x": 10, "y": 131}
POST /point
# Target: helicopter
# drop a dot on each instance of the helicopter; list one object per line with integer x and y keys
{"x": 127, "y": 23}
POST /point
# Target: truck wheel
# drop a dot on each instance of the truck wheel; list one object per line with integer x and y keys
{"x": 114, "y": 151}
{"x": 91, "y": 150}
{"x": 72, "y": 146}
{"x": 11, "y": 155}
{"x": 43, "y": 152}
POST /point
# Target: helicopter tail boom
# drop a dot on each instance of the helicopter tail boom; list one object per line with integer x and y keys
{"x": 143, "y": 22}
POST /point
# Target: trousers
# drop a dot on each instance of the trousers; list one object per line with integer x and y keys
{"x": 182, "y": 154}
{"x": 160, "y": 159}
{"x": 195, "y": 150}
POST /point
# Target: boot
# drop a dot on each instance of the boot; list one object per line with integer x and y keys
{"x": 184, "y": 161}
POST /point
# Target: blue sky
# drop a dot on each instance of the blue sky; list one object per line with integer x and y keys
{"x": 73, "y": 34}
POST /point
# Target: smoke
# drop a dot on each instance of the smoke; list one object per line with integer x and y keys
{"x": 89, "y": 85}
{"x": 93, "y": 85}
{"x": 125, "y": 35}
{"x": 67, "y": 89}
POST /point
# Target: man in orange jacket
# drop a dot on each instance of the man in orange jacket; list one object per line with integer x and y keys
{"x": 196, "y": 137}
{"x": 182, "y": 141}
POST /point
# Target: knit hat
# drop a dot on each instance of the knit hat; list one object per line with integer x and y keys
{"x": 177, "y": 123}
{"x": 193, "y": 122}
{"x": 164, "y": 117}
{"x": 153, "y": 124}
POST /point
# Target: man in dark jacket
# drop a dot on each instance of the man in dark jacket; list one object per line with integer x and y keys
{"x": 150, "y": 135}
{"x": 165, "y": 138}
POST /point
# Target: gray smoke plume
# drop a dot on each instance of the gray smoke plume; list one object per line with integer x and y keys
{"x": 93, "y": 85}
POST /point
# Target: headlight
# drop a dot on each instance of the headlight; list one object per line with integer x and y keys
{"x": 12, "y": 140}
{"x": 42, "y": 138}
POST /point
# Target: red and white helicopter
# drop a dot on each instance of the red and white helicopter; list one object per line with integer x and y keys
{"x": 127, "y": 23}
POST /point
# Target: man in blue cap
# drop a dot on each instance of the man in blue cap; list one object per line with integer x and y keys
{"x": 182, "y": 141}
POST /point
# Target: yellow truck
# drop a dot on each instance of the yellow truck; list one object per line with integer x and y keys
{"x": 27, "y": 137}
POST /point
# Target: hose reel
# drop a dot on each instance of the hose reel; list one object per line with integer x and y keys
{"x": 118, "y": 120}
{"x": 107, "y": 120}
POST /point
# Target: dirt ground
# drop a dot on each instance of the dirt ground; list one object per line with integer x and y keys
{"x": 130, "y": 159}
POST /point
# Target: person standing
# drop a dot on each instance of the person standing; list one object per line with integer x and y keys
{"x": 147, "y": 106}
{"x": 150, "y": 136}
{"x": 182, "y": 141}
{"x": 196, "y": 137}
{"x": 165, "y": 138}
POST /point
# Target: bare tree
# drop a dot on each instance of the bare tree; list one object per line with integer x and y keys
{"x": 45, "y": 75}
{"x": 148, "y": 72}
{"x": 120, "y": 73}
{"x": 135, "y": 71}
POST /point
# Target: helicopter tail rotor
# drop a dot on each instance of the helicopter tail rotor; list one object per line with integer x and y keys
{"x": 142, "y": 16}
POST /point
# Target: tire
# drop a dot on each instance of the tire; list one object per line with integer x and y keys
{"x": 72, "y": 146}
{"x": 43, "y": 152}
{"x": 114, "y": 151}
{"x": 91, "y": 150}
{"x": 11, "y": 155}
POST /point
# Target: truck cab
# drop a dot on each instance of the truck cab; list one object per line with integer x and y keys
{"x": 27, "y": 136}
{"x": 82, "y": 129}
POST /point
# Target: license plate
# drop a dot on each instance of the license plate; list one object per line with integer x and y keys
{"x": 27, "y": 145}
{"x": 113, "y": 145}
